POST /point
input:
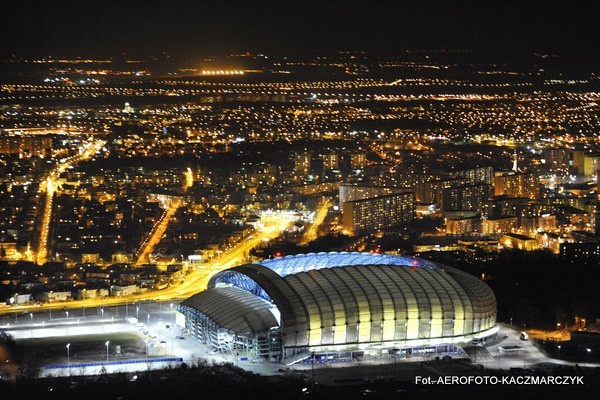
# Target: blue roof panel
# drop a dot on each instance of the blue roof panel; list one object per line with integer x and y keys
{"x": 305, "y": 262}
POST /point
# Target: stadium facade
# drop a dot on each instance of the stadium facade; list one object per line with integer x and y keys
{"x": 340, "y": 304}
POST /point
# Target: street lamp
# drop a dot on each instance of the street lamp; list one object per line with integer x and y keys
{"x": 106, "y": 344}
{"x": 102, "y": 312}
{"x": 313, "y": 369}
{"x": 172, "y": 315}
{"x": 589, "y": 351}
{"x": 137, "y": 312}
{"x": 31, "y": 315}
{"x": 66, "y": 312}
{"x": 559, "y": 346}
{"x": 395, "y": 356}
{"x": 68, "y": 355}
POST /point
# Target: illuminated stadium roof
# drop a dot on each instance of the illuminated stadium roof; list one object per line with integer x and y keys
{"x": 341, "y": 300}
{"x": 305, "y": 262}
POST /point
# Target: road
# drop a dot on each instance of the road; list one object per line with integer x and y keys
{"x": 320, "y": 214}
{"x": 272, "y": 224}
{"x": 157, "y": 232}
{"x": 50, "y": 186}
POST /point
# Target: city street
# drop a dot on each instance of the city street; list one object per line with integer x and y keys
{"x": 272, "y": 225}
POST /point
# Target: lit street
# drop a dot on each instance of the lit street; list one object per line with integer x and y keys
{"x": 272, "y": 226}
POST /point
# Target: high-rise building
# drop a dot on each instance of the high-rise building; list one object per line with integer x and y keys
{"x": 478, "y": 174}
{"x": 465, "y": 197}
{"x": 378, "y": 212}
{"x": 589, "y": 165}
{"x": 525, "y": 184}
{"x": 556, "y": 159}
{"x": 26, "y": 146}
{"x": 498, "y": 226}
{"x": 330, "y": 161}
{"x": 302, "y": 162}
{"x": 358, "y": 160}
{"x": 362, "y": 190}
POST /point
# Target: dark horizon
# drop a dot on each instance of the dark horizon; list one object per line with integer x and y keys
{"x": 191, "y": 29}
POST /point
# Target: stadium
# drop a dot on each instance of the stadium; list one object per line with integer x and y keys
{"x": 339, "y": 306}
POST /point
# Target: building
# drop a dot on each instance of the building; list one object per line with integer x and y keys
{"x": 465, "y": 197}
{"x": 364, "y": 190}
{"x": 478, "y": 175}
{"x": 330, "y": 161}
{"x": 556, "y": 159}
{"x": 302, "y": 162}
{"x": 498, "y": 226}
{"x": 378, "y": 212}
{"x": 589, "y": 164}
{"x": 122, "y": 257}
{"x": 339, "y": 305}
{"x": 49, "y": 297}
{"x": 525, "y": 184}
{"x": 462, "y": 225}
{"x": 581, "y": 252}
{"x": 25, "y": 145}
{"x": 120, "y": 291}
{"x": 358, "y": 160}
{"x": 521, "y": 242}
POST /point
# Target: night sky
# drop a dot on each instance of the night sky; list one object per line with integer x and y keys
{"x": 142, "y": 28}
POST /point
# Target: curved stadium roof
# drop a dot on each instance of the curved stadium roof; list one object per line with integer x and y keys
{"x": 331, "y": 299}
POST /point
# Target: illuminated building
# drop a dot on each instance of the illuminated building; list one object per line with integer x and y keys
{"x": 359, "y": 191}
{"x": 302, "y": 162}
{"x": 521, "y": 242}
{"x": 589, "y": 164}
{"x": 581, "y": 252}
{"x": 330, "y": 161}
{"x": 498, "y": 226}
{"x": 466, "y": 197}
{"x": 25, "y": 145}
{"x": 339, "y": 303}
{"x": 462, "y": 226}
{"x": 358, "y": 161}
{"x": 478, "y": 175}
{"x": 378, "y": 212}
{"x": 556, "y": 159}
{"x": 517, "y": 185}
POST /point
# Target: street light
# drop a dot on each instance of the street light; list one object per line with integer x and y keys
{"x": 589, "y": 351}
{"x": 313, "y": 369}
{"x": 102, "y": 312}
{"x": 68, "y": 355}
{"x": 31, "y": 315}
{"x": 137, "y": 312}
{"x": 66, "y": 312}
{"x": 172, "y": 315}
{"x": 395, "y": 356}
{"x": 559, "y": 346}
{"x": 107, "y": 343}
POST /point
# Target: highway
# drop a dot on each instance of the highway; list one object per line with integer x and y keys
{"x": 272, "y": 225}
